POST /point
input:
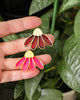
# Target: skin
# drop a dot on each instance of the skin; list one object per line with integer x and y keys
{"x": 8, "y": 72}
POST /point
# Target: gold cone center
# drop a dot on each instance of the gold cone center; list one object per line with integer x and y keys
{"x": 29, "y": 54}
{"x": 37, "y": 32}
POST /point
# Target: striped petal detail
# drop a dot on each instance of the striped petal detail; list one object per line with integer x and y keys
{"x": 47, "y": 40}
{"x": 41, "y": 43}
{"x": 25, "y": 65}
{"x": 32, "y": 65}
{"x": 34, "y": 43}
{"x": 20, "y": 62}
{"x": 29, "y": 40}
{"x": 38, "y": 63}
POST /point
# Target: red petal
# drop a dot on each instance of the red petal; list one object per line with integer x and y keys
{"x": 47, "y": 40}
{"x": 41, "y": 43}
{"x": 34, "y": 43}
{"x": 25, "y": 65}
{"x": 32, "y": 65}
{"x": 29, "y": 40}
{"x": 38, "y": 63}
{"x": 20, "y": 62}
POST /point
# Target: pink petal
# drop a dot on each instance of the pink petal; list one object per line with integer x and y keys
{"x": 38, "y": 63}
{"x": 25, "y": 65}
{"x": 41, "y": 43}
{"x": 20, "y": 62}
{"x": 32, "y": 65}
{"x": 29, "y": 40}
{"x": 34, "y": 43}
{"x": 47, "y": 40}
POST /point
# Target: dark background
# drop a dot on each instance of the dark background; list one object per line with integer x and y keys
{"x": 11, "y": 9}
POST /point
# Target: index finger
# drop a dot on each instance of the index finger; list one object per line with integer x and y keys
{"x": 17, "y": 25}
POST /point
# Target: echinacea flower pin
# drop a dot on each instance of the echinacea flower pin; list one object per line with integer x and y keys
{"x": 29, "y": 61}
{"x": 38, "y": 39}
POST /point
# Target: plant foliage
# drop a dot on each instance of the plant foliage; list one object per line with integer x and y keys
{"x": 67, "y": 4}
{"x": 64, "y": 68}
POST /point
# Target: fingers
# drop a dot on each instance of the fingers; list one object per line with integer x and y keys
{"x": 9, "y": 63}
{"x": 15, "y": 75}
{"x": 17, "y": 25}
{"x": 8, "y": 76}
{"x": 16, "y": 46}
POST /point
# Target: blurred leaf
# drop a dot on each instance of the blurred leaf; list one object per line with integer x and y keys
{"x": 50, "y": 83}
{"x": 54, "y": 52}
{"x": 45, "y": 26}
{"x": 67, "y": 4}
{"x": 25, "y": 98}
{"x": 77, "y": 27}
{"x": 69, "y": 30}
{"x": 50, "y": 94}
{"x": 37, "y": 94}
{"x": 1, "y": 18}
{"x": 24, "y": 34}
{"x": 69, "y": 68}
{"x": 78, "y": 96}
{"x": 56, "y": 35}
{"x": 38, "y": 5}
{"x": 10, "y": 37}
{"x": 19, "y": 88}
{"x": 31, "y": 85}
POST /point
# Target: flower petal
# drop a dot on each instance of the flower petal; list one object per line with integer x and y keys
{"x": 38, "y": 63}
{"x": 47, "y": 40}
{"x": 25, "y": 65}
{"x": 20, "y": 62}
{"x": 34, "y": 43}
{"x": 29, "y": 39}
{"x": 32, "y": 65}
{"x": 41, "y": 43}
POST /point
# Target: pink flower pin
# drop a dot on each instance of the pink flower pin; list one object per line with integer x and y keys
{"x": 38, "y": 39}
{"x": 29, "y": 61}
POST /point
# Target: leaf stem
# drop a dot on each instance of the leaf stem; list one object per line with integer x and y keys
{"x": 52, "y": 68}
{"x": 54, "y": 16}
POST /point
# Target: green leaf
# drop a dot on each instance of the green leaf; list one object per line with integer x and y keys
{"x": 54, "y": 52}
{"x": 24, "y": 34}
{"x": 56, "y": 35}
{"x": 1, "y": 18}
{"x": 69, "y": 68}
{"x": 69, "y": 30}
{"x": 50, "y": 94}
{"x": 50, "y": 83}
{"x": 67, "y": 4}
{"x": 45, "y": 26}
{"x": 25, "y": 98}
{"x": 19, "y": 88}
{"x": 78, "y": 96}
{"x": 10, "y": 37}
{"x": 77, "y": 27}
{"x": 68, "y": 77}
{"x": 38, "y": 5}
{"x": 37, "y": 93}
{"x": 31, "y": 85}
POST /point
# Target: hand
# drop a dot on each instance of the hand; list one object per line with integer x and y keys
{"x": 8, "y": 72}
